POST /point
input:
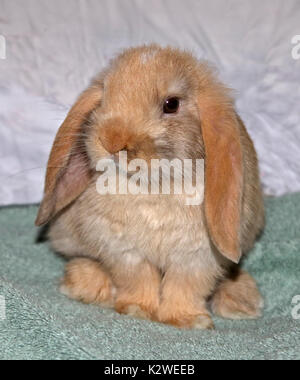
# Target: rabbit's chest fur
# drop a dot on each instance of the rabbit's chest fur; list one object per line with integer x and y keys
{"x": 161, "y": 229}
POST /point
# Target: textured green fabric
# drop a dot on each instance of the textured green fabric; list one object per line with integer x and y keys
{"x": 42, "y": 324}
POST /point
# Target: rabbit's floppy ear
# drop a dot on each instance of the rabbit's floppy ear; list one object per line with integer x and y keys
{"x": 223, "y": 173}
{"x": 68, "y": 172}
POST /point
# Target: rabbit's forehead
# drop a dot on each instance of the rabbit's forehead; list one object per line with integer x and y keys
{"x": 147, "y": 83}
{"x": 148, "y": 56}
{"x": 149, "y": 73}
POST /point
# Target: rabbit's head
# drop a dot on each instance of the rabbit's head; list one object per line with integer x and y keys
{"x": 154, "y": 103}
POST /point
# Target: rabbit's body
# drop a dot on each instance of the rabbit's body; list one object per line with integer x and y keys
{"x": 153, "y": 255}
{"x": 131, "y": 228}
{"x": 127, "y": 232}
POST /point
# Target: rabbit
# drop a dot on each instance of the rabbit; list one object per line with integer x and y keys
{"x": 153, "y": 256}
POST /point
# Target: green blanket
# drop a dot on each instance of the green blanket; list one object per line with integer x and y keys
{"x": 41, "y": 323}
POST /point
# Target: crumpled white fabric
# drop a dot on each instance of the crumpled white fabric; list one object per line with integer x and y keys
{"x": 27, "y": 127}
{"x": 54, "y": 48}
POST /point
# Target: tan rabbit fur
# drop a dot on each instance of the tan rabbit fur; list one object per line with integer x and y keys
{"x": 152, "y": 256}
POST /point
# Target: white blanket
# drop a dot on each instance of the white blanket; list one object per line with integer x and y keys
{"x": 54, "y": 47}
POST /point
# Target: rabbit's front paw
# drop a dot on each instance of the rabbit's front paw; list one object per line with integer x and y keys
{"x": 183, "y": 319}
{"x": 87, "y": 282}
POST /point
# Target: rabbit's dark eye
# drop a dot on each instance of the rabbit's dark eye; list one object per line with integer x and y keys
{"x": 171, "y": 105}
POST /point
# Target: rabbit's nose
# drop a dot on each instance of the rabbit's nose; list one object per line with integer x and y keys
{"x": 114, "y": 143}
{"x": 114, "y": 137}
